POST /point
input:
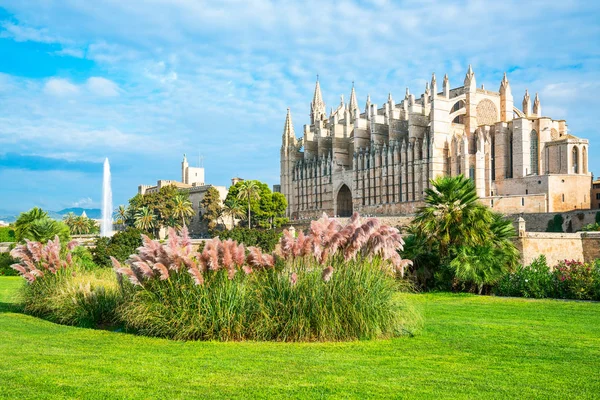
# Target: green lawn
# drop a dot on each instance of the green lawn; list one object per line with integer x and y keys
{"x": 471, "y": 347}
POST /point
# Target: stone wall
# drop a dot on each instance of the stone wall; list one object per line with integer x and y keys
{"x": 538, "y": 222}
{"x": 580, "y": 246}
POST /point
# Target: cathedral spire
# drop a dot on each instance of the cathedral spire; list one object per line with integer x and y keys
{"x": 317, "y": 106}
{"x": 537, "y": 108}
{"x": 433, "y": 84}
{"x": 353, "y": 104}
{"x": 289, "y": 136}
{"x": 526, "y": 104}
{"x": 368, "y": 105}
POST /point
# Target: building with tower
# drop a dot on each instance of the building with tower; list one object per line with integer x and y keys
{"x": 379, "y": 160}
{"x": 192, "y": 182}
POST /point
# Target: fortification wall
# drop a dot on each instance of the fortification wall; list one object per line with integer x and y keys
{"x": 580, "y": 246}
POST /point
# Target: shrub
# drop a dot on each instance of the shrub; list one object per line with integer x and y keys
{"x": 567, "y": 280}
{"x": 337, "y": 283}
{"x": 60, "y": 291}
{"x": 266, "y": 240}
{"x": 576, "y": 280}
{"x": 534, "y": 281}
{"x": 7, "y": 234}
{"x": 37, "y": 226}
{"x": 5, "y": 262}
{"x": 555, "y": 224}
{"x": 120, "y": 246}
{"x": 456, "y": 242}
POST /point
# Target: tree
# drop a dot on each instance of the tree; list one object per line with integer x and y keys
{"x": 249, "y": 191}
{"x": 232, "y": 208}
{"x": 161, "y": 204}
{"x": 455, "y": 237}
{"x": 80, "y": 225}
{"x": 146, "y": 220}
{"x": 182, "y": 208}
{"x": 121, "y": 215}
{"x": 36, "y": 225}
{"x": 267, "y": 211}
{"x": 211, "y": 204}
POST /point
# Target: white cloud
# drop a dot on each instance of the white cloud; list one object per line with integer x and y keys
{"x": 21, "y": 33}
{"x": 70, "y": 52}
{"x": 84, "y": 202}
{"x": 60, "y": 87}
{"x": 102, "y": 86}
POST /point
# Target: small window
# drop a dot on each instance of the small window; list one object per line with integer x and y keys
{"x": 563, "y": 198}
{"x": 522, "y": 201}
{"x": 472, "y": 173}
{"x": 526, "y": 191}
{"x": 597, "y": 196}
{"x": 492, "y": 203}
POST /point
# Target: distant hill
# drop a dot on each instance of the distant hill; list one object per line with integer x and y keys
{"x": 94, "y": 213}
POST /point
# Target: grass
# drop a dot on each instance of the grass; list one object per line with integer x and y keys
{"x": 471, "y": 347}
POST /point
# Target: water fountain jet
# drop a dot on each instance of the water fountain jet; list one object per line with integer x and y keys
{"x": 106, "y": 225}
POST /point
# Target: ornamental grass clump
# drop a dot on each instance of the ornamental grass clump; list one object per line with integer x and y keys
{"x": 62, "y": 291}
{"x": 335, "y": 283}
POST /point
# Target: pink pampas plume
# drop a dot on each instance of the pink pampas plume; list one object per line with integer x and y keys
{"x": 197, "y": 276}
{"x": 164, "y": 271}
{"x": 293, "y": 278}
{"x": 327, "y": 274}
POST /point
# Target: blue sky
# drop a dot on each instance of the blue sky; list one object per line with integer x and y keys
{"x": 144, "y": 81}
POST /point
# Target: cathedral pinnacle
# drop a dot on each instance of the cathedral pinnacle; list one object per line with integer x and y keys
{"x": 288, "y": 129}
{"x": 526, "y": 103}
{"x": 433, "y": 81}
{"x": 470, "y": 78}
{"x": 537, "y": 108}
{"x": 504, "y": 85}
{"x": 353, "y": 103}
{"x": 407, "y": 93}
{"x": 317, "y": 105}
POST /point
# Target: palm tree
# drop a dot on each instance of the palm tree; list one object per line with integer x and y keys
{"x": 454, "y": 233}
{"x": 249, "y": 190}
{"x": 452, "y": 214}
{"x": 24, "y": 226}
{"x": 145, "y": 219}
{"x": 121, "y": 214}
{"x": 232, "y": 208}
{"x": 69, "y": 219}
{"x": 182, "y": 208}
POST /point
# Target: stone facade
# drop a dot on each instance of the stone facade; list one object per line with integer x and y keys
{"x": 595, "y": 195}
{"x": 192, "y": 182}
{"x": 381, "y": 160}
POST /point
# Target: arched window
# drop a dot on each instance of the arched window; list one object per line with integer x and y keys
{"x": 533, "y": 153}
{"x": 575, "y": 160}
{"x": 584, "y": 160}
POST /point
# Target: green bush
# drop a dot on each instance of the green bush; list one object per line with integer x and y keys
{"x": 71, "y": 297}
{"x": 59, "y": 290}
{"x": 120, "y": 246}
{"x": 534, "y": 281}
{"x": 5, "y": 262}
{"x": 265, "y": 239}
{"x": 576, "y": 280}
{"x": 84, "y": 259}
{"x": 555, "y": 224}
{"x": 7, "y": 234}
{"x": 567, "y": 280}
